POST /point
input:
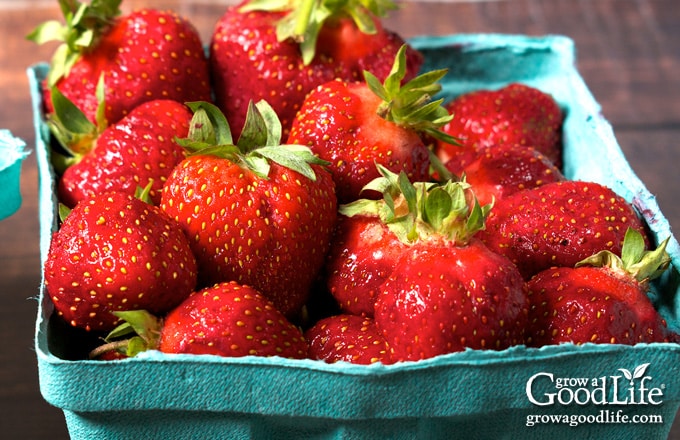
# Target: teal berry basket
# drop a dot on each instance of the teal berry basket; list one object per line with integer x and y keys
{"x": 565, "y": 391}
{"x": 12, "y": 155}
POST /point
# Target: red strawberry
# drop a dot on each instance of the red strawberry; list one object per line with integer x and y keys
{"x": 276, "y": 52}
{"x": 559, "y": 224}
{"x": 505, "y": 169}
{"x": 446, "y": 291}
{"x": 445, "y": 298}
{"x": 138, "y": 150}
{"x": 354, "y": 125}
{"x": 256, "y": 212}
{"x": 141, "y": 56}
{"x": 227, "y": 319}
{"x": 514, "y": 114}
{"x": 370, "y": 237}
{"x": 602, "y": 300}
{"x": 363, "y": 254}
{"x": 115, "y": 252}
{"x": 347, "y": 338}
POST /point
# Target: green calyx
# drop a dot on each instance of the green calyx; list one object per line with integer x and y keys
{"x": 140, "y": 331}
{"x": 258, "y": 145}
{"x": 85, "y": 23}
{"x": 306, "y": 18}
{"x": 422, "y": 210}
{"x": 411, "y": 105}
{"x": 635, "y": 260}
{"x": 73, "y": 130}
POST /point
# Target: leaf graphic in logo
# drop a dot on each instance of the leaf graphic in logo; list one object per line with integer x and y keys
{"x": 628, "y": 375}
{"x": 640, "y": 371}
{"x": 636, "y": 374}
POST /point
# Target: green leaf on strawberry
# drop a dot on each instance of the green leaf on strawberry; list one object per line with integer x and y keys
{"x": 84, "y": 24}
{"x": 422, "y": 210}
{"x": 635, "y": 260}
{"x": 72, "y": 129}
{"x": 411, "y": 105}
{"x": 306, "y": 18}
{"x": 258, "y": 144}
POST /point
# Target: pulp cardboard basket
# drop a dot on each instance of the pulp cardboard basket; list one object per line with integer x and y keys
{"x": 12, "y": 154}
{"x": 560, "y": 391}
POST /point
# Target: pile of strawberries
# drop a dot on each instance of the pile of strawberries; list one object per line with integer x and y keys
{"x": 297, "y": 190}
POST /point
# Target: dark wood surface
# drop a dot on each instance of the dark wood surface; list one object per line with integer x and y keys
{"x": 628, "y": 52}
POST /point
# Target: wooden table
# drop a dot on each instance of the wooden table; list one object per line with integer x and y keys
{"x": 627, "y": 51}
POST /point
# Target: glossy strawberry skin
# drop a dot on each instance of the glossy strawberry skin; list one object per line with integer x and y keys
{"x": 362, "y": 255}
{"x": 272, "y": 234}
{"x": 586, "y": 304}
{"x": 114, "y": 252}
{"x": 514, "y": 114}
{"x": 559, "y": 224}
{"x": 338, "y": 121}
{"x": 355, "y": 51}
{"x": 347, "y": 338}
{"x": 145, "y": 55}
{"x": 443, "y": 299}
{"x": 247, "y": 62}
{"x": 137, "y": 150}
{"x": 229, "y": 319}
{"x": 499, "y": 171}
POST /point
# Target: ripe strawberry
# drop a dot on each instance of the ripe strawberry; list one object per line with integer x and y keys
{"x": 558, "y": 224}
{"x": 227, "y": 319}
{"x": 446, "y": 291}
{"x": 138, "y": 150}
{"x": 514, "y": 114}
{"x": 115, "y": 252}
{"x": 145, "y": 55}
{"x": 354, "y": 125}
{"x": 505, "y": 169}
{"x": 256, "y": 212}
{"x": 445, "y": 298}
{"x": 347, "y": 338}
{"x": 280, "y": 51}
{"x": 601, "y": 300}
{"x": 362, "y": 255}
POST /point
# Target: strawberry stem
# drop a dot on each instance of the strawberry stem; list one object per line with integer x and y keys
{"x": 139, "y": 332}
{"x": 411, "y": 105}
{"x": 643, "y": 265}
{"x": 85, "y": 23}
{"x": 258, "y": 145}
{"x": 422, "y": 210}
{"x": 306, "y": 18}
{"x": 303, "y": 17}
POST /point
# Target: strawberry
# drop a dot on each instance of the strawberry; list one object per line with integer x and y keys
{"x": 257, "y": 212}
{"x": 115, "y": 252}
{"x": 446, "y": 291}
{"x": 362, "y": 255}
{"x": 279, "y": 51}
{"x": 227, "y": 319}
{"x": 514, "y": 114}
{"x": 138, "y": 150}
{"x": 603, "y": 299}
{"x": 505, "y": 169}
{"x": 354, "y": 125}
{"x": 347, "y": 338}
{"x": 445, "y": 298}
{"x": 559, "y": 224}
{"x": 144, "y": 55}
